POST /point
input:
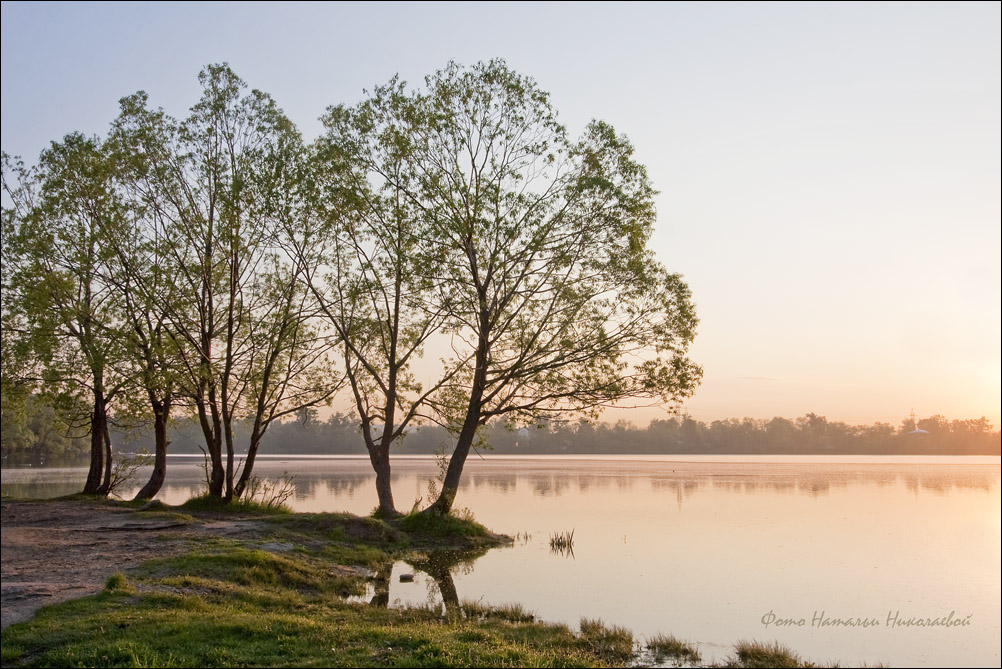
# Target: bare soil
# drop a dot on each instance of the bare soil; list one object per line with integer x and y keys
{"x": 54, "y": 550}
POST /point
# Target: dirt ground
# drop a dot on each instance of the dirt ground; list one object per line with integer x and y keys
{"x": 51, "y": 551}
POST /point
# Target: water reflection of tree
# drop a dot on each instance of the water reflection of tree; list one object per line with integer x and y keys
{"x": 682, "y": 489}
{"x": 307, "y": 485}
{"x": 440, "y": 566}
{"x": 502, "y": 482}
{"x": 547, "y": 486}
{"x": 347, "y": 483}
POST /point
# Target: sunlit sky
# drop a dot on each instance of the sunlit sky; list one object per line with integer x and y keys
{"x": 829, "y": 174}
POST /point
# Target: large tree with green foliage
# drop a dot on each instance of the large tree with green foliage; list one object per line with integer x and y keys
{"x": 70, "y": 311}
{"x": 557, "y": 304}
{"x": 543, "y": 281}
{"x": 218, "y": 191}
{"x": 369, "y": 260}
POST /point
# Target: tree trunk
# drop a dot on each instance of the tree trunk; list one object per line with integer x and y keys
{"x": 212, "y": 432}
{"x": 106, "y": 484}
{"x": 245, "y": 475}
{"x": 450, "y": 486}
{"x": 161, "y": 411}
{"x": 97, "y": 423}
{"x": 379, "y": 456}
{"x": 217, "y": 474}
{"x": 228, "y": 426}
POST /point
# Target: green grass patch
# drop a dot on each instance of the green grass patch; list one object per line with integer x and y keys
{"x": 666, "y": 646}
{"x": 343, "y": 527}
{"x": 255, "y": 568}
{"x": 218, "y": 505}
{"x": 511, "y": 612}
{"x": 760, "y": 654}
{"x": 436, "y": 525}
{"x": 117, "y": 582}
{"x": 609, "y": 641}
{"x": 157, "y": 629}
{"x": 170, "y": 516}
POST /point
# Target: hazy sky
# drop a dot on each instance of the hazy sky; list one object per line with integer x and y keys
{"x": 829, "y": 174}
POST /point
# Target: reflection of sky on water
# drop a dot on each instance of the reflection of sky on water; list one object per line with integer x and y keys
{"x": 699, "y": 549}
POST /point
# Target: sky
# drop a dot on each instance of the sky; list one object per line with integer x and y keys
{"x": 828, "y": 173}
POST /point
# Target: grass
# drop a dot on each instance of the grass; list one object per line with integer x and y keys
{"x": 512, "y": 612}
{"x": 209, "y": 503}
{"x": 461, "y": 526}
{"x": 612, "y": 642}
{"x": 206, "y": 622}
{"x": 117, "y": 582}
{"x": 759, "y": 654}
{"x": 230, "y": 602}
{"x": 666, "y": 646}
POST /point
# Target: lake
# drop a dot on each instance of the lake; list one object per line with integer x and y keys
{"x": 841, "y": 558}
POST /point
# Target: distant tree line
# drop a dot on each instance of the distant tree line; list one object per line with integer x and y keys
{"x": 44, "y": 437}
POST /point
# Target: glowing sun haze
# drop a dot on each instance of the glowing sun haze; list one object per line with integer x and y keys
{"x": 829, "y": 174}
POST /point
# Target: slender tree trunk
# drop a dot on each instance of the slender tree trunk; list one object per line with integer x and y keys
{"x": 106, "y": 483}
{"x": 450, "y": 486}
{"x": 379, "y": 456}
{"x": 212, "y": 432}
{"x": 161, "y": 412}
{"x": 256, "y": 434}
{"x": 97, "y": 422}
{"x": 228, "y": 427}
{"x": 217, "y": 476}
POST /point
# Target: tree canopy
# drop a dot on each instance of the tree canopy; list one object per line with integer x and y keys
{"x": 252, "y": 274}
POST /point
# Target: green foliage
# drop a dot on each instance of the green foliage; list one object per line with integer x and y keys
{"x": 34, "y": 430}
{"x": 217, "y": 260}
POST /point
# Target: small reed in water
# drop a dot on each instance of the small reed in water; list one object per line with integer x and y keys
{"x": 562, "y": 542}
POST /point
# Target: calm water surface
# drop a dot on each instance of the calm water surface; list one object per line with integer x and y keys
{"x": 709, "y": 548}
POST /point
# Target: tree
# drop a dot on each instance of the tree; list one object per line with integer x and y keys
{"x": 33, "y": 431}
{"x": 58, "y": 240}
{"x": 17, "y": 366}
{"x": 144, "y": 276}
{"x": 366, "y": 252}
{"x": 552, "y": 300}
{"x": 219, "y": 189}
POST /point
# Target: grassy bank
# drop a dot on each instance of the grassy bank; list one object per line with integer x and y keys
{"x": 269, "y": 588}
